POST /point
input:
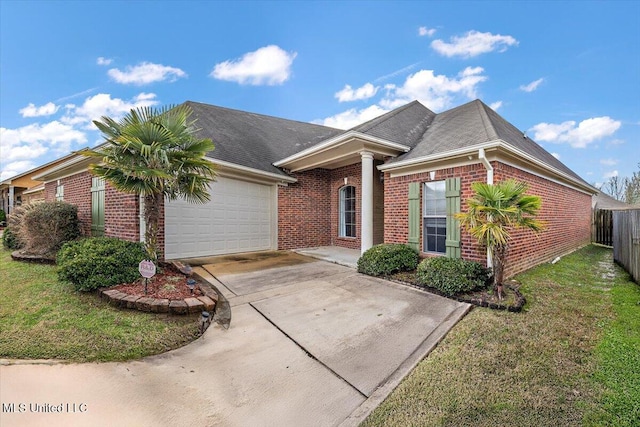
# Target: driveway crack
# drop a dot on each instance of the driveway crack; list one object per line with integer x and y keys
{"x": 308, "y": 353}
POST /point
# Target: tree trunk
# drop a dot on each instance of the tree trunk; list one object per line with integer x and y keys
{"x": 152, "y": 205}
{"x": 498, "y": 270}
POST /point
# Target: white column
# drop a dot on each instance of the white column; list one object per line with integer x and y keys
{"x": 366, "y": 210}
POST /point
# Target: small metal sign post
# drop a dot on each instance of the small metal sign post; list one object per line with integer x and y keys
{"x": 147, "y": 270}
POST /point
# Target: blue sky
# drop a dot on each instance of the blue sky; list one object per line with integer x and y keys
{"x": 567, "y": 73}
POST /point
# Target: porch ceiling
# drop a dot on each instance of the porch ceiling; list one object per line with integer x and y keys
{"x": 341, "y": 152}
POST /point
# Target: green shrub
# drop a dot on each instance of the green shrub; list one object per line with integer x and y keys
{"x": 99, "y": 262}
{"x": 452, "y": 276}
{"x": 387, "y": 259}
{"x": 46, "y": 226}
{"x": 10, "y": 240}
{"x": 3, "y": 217}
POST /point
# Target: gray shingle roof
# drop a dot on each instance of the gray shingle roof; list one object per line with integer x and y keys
{"x": 255, "y": 140}
{"x": 472, "y": 124}
{"x": 404, "y": 125}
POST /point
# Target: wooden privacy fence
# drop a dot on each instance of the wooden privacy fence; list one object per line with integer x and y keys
{"x": 626, "y": 241}
{"x": 602, "y": 227}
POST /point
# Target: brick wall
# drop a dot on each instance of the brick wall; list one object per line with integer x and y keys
{"x": 120, "y": 213}
{"x": 77, "y": 191}
{"x": 566, "y": 212}
{"x": 303, "y": 211}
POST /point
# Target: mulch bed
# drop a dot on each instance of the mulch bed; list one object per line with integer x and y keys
{"x": 167, "y": 283}
{"x": 513, "y": 300}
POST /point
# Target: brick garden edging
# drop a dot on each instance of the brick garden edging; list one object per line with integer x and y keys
{"x": 188, "y": 305}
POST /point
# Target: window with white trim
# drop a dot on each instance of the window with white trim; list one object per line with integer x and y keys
{"x": 434, "y": 217}
{"x": 59, "y": 192}
{"x": 347, "y": 211}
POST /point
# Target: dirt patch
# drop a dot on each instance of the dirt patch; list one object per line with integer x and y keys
{"x": 254, "y": 261}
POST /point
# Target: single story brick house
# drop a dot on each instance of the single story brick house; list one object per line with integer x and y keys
{"x": 398, "y": 178}
{"x": 23, "y": 189}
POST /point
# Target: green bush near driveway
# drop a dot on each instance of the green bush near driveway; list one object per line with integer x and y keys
{"x": 99, "y": 262}
{"x": 44, "y": 318}
{"x": 387, "y": 259}
{"x": 10, "y": 240}
{"x": 452, "y": 276}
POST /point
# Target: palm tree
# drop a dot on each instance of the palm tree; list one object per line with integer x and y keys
{"x": 154, "y": 153}
{"x": 493, "y": 211}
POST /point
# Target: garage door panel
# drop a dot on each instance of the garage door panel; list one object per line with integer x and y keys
{"x": 238, "y": 218}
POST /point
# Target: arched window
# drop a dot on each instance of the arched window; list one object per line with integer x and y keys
{"x": 347, "y": 211}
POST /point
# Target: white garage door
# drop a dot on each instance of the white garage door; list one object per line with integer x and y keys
{"x": 239, "y": 218}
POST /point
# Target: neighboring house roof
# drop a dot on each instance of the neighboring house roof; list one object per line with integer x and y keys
{"x": 604, "y": 201}
{"x": 473, "y": 124}
{"x": 254, "y": 140}
{"x": 26, "y": 179}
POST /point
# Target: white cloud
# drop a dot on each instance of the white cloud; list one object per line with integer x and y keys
{"x": 349, "y": 94}
{"x": 102, "y": 104}
{"x": 353, "y": 117}
{"x": 103, "y": 61}
{"x": 145, "y": 73}
{"x": 586, "y": 132}
{"x": 15, "y": 168}
{"x": 472, "y": 44}
{"x": 608, "y": 162}
{"x": 495, "y": 105}
{"x": 611, "y": 174}
{"x": 424, "y": 31}
{"x": 437, "y": 92}
{"x": 32, "y": 111}
{"x": 27, "y": 143}
{"x": 59, "y": 137}
{"x": 531, "y": 86}
{"x": 269, "y": 65}
{"x": 556, "y": 155}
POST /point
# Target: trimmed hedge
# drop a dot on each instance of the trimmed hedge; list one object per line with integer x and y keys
{"x": 452, "y": 276}
{"x": 99, "y": 262}
{"x": 387, "y": 259}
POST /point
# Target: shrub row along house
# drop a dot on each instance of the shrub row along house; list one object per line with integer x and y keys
{"x": 398, "y": 178}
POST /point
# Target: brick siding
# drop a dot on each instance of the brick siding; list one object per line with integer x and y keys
{"x": 120, "y": 212}
{"x": 304, "y": 211}
{"x": 566, "y": 212}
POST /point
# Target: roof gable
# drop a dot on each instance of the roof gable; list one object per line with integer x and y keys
{"x": 404, "y": 125}
{"x": 474, "y": 124}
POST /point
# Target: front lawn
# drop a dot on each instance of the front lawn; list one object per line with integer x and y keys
{"x": 42, "y": 318}
{"x": 572, "y": 357}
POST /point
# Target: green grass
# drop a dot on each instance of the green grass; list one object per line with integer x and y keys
{"x": 42, "y": 318}
{"x": 570, "y": 358}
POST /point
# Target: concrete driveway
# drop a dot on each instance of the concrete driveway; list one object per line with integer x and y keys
{"x": 310, "y": 344}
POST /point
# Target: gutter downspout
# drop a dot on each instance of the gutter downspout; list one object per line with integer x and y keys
{"x": 489, "y": 168}
{"x": 487, "y": 165}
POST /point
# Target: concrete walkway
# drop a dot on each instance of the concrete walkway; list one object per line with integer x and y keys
{"x": 335, "y": 254}
{"x": 311, "y": 344}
